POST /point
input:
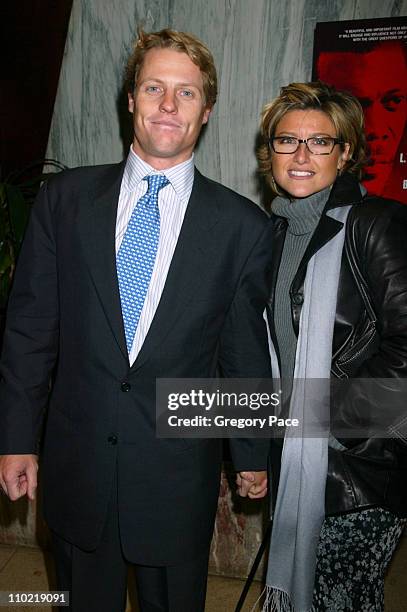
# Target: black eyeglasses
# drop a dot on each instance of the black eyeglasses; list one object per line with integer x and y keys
{"x": 317, "y": 145}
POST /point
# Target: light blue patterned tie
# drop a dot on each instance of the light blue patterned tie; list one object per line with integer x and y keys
{"x": 136, "y": 256}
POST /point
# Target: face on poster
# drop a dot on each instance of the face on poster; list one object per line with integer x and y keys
{"x": 377, "y": 76}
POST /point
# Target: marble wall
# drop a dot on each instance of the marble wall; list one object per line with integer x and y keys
{"x": 258, "y": 46}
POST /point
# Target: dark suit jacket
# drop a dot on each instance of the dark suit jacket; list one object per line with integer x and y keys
{"x": 65, "y": 316}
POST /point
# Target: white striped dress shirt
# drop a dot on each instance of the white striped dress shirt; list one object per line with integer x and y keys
{"x": 172, "y": 202}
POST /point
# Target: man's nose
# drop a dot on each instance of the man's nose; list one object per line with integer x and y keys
{"x": 168, "y": 102}
{"x": 301, "y": 156}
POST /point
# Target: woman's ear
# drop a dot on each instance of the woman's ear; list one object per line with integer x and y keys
{"x": 345, "y": 155}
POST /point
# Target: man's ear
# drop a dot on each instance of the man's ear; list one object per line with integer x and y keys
{"x": 206, "y": 114}
{"x": 130, "y": 98}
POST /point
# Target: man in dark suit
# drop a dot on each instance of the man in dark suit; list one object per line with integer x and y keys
{"x": 129, "y": 273}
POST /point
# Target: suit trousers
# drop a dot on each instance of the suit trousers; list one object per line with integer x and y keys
{"x": 97, "y": 580}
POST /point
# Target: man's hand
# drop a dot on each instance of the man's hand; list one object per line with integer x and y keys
{"x": 252, "y": 484}
{"x": 18, "y": 475}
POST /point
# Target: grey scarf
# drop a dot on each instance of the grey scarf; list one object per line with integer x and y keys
{"x": 300, "y": 505}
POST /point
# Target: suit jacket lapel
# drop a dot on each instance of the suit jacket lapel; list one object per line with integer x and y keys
{"x": 191, "y": 257}
{"x": 98, "y": 229}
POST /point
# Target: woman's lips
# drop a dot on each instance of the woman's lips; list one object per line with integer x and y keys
{"x": 300, "y": 174}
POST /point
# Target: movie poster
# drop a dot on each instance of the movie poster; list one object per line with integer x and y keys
{"x": 369, "y": 58}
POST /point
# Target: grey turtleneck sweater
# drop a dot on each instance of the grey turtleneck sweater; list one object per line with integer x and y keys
{"x": 302, "y": 216}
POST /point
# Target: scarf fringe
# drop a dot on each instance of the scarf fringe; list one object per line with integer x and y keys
{"x": 274, "y": 601}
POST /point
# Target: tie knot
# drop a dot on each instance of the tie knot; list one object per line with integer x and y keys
{"x": 155, "y": 183}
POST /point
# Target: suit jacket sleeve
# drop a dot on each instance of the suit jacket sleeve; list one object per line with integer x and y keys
{"x": 31, "y": 335}
{"x": 244, "y": 346}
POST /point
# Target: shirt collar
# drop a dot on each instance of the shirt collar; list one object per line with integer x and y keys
{"x": 180, "y": 176}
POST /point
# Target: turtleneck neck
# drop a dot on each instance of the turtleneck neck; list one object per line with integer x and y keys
{"x": 302, "y": 214}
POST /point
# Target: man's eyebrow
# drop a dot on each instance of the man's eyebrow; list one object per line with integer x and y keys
{"x": 393, "y": 91}
{"x": 155, "y": 80}
{"x": 151, "y": 79}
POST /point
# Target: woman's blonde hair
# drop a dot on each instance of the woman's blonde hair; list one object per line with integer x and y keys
{"x": 342, "y": 108}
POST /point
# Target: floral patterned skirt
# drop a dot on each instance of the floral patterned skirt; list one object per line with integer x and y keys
{"x": 354, "y": 551}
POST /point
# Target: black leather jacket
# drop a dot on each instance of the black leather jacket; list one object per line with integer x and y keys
{"x": 369, "y": 472}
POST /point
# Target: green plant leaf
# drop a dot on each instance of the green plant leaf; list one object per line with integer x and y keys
{"x": 4, "y": 291}
{"x": 16, "y": 197}
{"x": 6, "y": 260}
{"x": 19, "y": 212}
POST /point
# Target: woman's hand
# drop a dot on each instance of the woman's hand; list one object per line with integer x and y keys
{"x": 252, "y": 484}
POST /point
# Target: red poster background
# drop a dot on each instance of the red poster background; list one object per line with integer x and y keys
{"x": 369, "y": 58}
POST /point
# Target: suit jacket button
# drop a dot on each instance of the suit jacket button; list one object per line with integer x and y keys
{"x": 125, "y": 387}
{"x": 112, "y": 440}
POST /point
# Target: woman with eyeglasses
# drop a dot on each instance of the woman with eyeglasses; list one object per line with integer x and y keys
{"x": 338, "y": 310}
